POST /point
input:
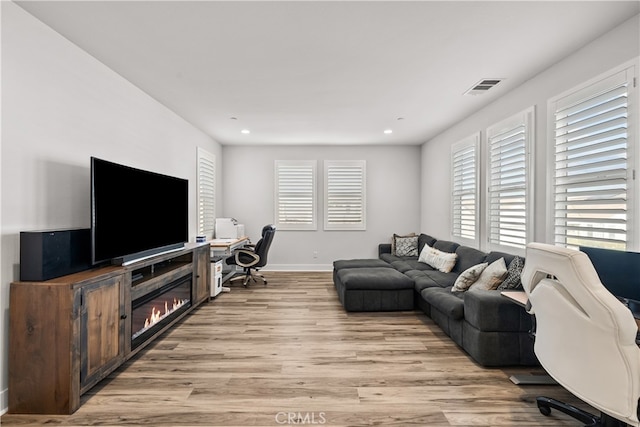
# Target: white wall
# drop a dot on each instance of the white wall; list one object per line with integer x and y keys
{"x": 393, "y": 206}
{"x": 618, "y": 46}
{"x": 60, "y": 106}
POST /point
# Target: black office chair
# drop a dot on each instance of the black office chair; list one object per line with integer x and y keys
{"x": 252, "y": 257}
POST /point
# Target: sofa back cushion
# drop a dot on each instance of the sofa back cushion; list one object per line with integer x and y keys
{"x": 445, "y": 246}
{"x": 495, "y": 255}
{"x": 468, "y": 257}
{"x": 425, "y": 239}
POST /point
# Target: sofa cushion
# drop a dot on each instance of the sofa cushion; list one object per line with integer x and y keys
{"x": 495, "y": 255}
{"x": 425, "y": 239}
{"x": 443, "y": 280}
{"x": 445, "y": 246}
{"x": 468, "y": 257}
{"x": 447, "y": 302}
{"x": 376, "y": 278}
{"x": 421, "y": 280}
{"x": 489, "y": 311}
{"x": 442, "y": 261}
{"x": 360, "y": 263}
{"x": 468, "y": 277}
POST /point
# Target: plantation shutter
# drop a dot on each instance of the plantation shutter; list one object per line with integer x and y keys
{"x": 295, "y": 195}
{"x": 345, "y": 195}
{"x": 591, "y": 166}
{"x": 508, "y": 181}
{"x": 206, "y": 178}
{"x": 464, "y": 192}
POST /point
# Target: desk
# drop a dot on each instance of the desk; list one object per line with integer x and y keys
{"x": 225, "y": 247}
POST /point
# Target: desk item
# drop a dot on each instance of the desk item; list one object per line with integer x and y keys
{"x": 585, "y": 339}
{"x": 252, "y": 259}
{"x": 226, "y": 228}
{"x": 216, "y": 276}
{"x": 222, "y": 248}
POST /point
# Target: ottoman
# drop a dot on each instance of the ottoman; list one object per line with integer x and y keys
{"x": 373, "y": 288}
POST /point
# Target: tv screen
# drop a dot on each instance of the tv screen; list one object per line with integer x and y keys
{"x": 619, "y": 271}
{"x": 126, "y": 206}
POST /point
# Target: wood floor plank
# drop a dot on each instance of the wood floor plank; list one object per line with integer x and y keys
{"x": 287, "y": 353}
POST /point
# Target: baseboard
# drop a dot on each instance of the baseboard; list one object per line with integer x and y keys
{"x": 4, "y": 401}
{"x": 298, "y": 267}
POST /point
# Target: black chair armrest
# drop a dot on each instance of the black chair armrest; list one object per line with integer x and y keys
{"x": 246, "y": 258}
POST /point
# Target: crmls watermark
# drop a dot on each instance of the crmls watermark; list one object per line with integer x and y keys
{"x": 301, "y": 418}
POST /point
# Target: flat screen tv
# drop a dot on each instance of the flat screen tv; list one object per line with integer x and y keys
{"x": 619, "y": 271}
{"x": 135, "y": 213}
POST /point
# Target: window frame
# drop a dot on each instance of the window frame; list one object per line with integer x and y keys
{"x": 356, "y": 167}
{"x": 206, "y": 169}
{"x": 311, "y": 172}
{"x": 471, "y": 142}
{"x": 626, "y": 72}
{"x": 525, "y": 119}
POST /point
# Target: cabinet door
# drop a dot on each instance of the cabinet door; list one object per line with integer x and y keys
{"x": 202, "y": 274}
{"x": 101, "y": 329}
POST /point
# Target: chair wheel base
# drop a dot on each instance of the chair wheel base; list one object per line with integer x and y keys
{"x": 546, "y": 403}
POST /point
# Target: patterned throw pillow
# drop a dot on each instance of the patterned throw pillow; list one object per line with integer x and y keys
{"x": 467, "y": 277}
{"x": 397, "y": 236}
{"x": 513, "y": 275}
{"x": 492, "y": 276}
{"x": 406, "y": 246}
{"x": 441, "y": 261}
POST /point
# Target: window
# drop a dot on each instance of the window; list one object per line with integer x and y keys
{"x": 295, "y": 195}
{"x": 591, "y": 180}
{"x": 509, "y": 144}
{"x": 464, "y": 191}
{"x": 206, "y": 175}
{"x": 345, "y": 195}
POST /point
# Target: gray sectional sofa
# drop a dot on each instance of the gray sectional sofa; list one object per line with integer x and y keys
{"x": 490, "y": 328}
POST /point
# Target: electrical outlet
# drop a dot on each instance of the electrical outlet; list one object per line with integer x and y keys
{"x": 315, "y": 254}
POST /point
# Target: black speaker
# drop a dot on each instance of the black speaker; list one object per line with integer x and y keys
{"x": 49, "y": 254}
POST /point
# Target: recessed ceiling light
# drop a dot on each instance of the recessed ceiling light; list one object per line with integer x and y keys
{"x": 388, "y": 131}
{"x": 245, "y": 131}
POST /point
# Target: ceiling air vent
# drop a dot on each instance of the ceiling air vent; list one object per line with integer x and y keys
{"x": 482, "y": 86}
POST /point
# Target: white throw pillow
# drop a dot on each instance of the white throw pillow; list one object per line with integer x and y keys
{"x": 441, "y": 261}
{"x": 492, "y": 276}
{"x": 468, "y": 277}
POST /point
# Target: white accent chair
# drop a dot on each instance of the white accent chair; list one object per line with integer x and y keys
{"x": 585, "y": 338}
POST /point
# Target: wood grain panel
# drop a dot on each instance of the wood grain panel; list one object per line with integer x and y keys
{"x": 257, "y": 355}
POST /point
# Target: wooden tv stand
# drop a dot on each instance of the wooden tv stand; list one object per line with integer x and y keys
{"x": 67, "y": 334}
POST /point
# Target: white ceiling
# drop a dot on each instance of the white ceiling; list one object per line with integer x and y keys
{"x": 327, "y": 72}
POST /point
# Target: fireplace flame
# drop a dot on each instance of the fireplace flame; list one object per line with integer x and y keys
{"x": 157, "y": 315}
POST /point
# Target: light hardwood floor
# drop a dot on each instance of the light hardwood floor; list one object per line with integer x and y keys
{"x": 288, "y": 354}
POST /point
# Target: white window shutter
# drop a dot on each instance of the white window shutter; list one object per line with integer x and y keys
{"x": 206, "y": 175}
{"x": 591, "y": 179}
{"x": 464, "y": 189}
{"x": 509, "y": 222}
{"x": 295, "y": 196}
{"x": 345, "y": 191}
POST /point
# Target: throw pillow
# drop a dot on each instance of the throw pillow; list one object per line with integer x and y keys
{"x": 407, "y": 246}
{"x": 514, "y": 271}
{"x": 394, "y": 245}
{"x": 468, "y": 277}
{"x": 492, "y": 276}
{"x": 441, "y": 261}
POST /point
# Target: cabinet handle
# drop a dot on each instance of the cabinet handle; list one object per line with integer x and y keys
{"x": 124, "y": 316}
